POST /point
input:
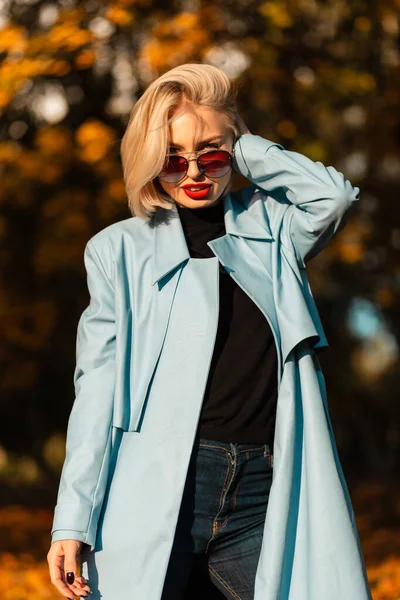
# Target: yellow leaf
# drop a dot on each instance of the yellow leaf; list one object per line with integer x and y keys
{"x": 58, "y": 68}
{"x": 277, "y": 13}
{"x": 119, "y": 16}
{"x": 13, "y": 39}
{"x": 85, "y": 59}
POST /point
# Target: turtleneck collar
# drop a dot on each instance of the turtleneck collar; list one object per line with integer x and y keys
{"x": 200, "y": 225}
{"x": 212, "y": 213}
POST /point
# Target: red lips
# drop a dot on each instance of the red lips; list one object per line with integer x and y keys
{"x": 199, "y": 185}
{"x": 198, "y": 194}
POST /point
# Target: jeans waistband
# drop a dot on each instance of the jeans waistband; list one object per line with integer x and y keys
{"x": 233, "y": 447}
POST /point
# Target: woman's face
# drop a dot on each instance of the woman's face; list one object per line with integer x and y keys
{"x": 188, "y": 133}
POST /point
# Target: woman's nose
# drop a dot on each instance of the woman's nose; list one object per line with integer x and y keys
{"x": 193, "y": 170}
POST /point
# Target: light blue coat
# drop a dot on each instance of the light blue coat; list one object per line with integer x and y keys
{"x": 144, "y": 348}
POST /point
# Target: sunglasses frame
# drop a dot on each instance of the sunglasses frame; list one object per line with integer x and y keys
{"x": 196, "y": 158}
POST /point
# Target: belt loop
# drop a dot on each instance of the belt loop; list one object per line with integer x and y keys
{"x": 268, "y": 452}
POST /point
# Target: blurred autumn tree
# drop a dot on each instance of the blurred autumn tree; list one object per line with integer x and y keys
{"x": 320, "y": 77}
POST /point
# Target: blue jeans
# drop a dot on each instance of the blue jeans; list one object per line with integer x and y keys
{"x": 220, "y": 526}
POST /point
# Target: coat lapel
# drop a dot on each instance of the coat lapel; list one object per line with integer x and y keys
{"x": 244, "y": 251}
{"x": 169, "y": 243}
{"x": 152, "y": 309}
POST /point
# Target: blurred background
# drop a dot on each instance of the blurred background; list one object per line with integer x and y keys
{"x": 321, "y": 77}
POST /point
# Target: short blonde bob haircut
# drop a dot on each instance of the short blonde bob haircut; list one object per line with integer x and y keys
{"x": 144, "y": 146}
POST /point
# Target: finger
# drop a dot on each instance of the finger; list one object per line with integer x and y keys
{"x": 57, "y": 580}
{"x": 77, "y": 591}
{"x": 81, "y": 585}
{"x": 77, "y": 588}
{"x": 70, "y": 563}
{"x": 56, "y": 574}
{"x": 74, "y": 589}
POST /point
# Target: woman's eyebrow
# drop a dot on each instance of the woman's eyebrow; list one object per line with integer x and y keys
{"x": 202, "y": 143}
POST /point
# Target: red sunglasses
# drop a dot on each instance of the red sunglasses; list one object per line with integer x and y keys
{"x": 213, "y": 164}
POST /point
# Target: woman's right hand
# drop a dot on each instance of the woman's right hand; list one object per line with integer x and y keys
{"x": 63, "y": 559}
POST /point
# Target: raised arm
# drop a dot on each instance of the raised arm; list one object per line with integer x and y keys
{"x": 84, "y": 475}
{"x": 319, "y": 196}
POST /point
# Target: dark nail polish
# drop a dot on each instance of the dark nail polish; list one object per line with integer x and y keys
{"x": 70, "y": 577}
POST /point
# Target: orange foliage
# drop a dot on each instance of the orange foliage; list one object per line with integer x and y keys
{"x": 175, "y": 40}
{"x": 385, "y": 297}
{"x": 23, "y": 530}
{"x": 385, "y": 579}
{"x": 116, "y": 190}
{"x": 85, "y": 59}
{"x": 94, "y": 139}
{"x": 13, "y": 39}
{"x": 350, "y": 244}
{"x": 286, "y": 129}
{"x": 119, "y": 16}
{"x": 363, "y": 24}
{"x": 23, "y": 578}
{"x": 68, "y": 37}
{"x": 53, "y": 140}
{"x": 35, "y": 56}
{"x": 277, "y": 13}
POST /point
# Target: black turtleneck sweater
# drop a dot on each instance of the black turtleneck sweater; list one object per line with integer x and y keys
{"x": 240, "y": 398}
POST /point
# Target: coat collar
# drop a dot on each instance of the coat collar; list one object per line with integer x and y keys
{"x": 169, "y": 243}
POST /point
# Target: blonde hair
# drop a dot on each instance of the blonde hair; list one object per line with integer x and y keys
{"x": 144, "y": 145}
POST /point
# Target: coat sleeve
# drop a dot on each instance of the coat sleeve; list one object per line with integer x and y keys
{"x": 319, "y": 196}
{"x": 85, "y": 470}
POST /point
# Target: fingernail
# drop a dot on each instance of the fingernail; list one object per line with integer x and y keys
{"x": 70, "y": 577}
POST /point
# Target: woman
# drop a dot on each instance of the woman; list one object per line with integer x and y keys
{"x": 200, "y": 437}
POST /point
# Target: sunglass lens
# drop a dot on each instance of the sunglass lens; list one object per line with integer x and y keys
{"x": 215, "y": 164}
{"x": 174, "y": 169}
